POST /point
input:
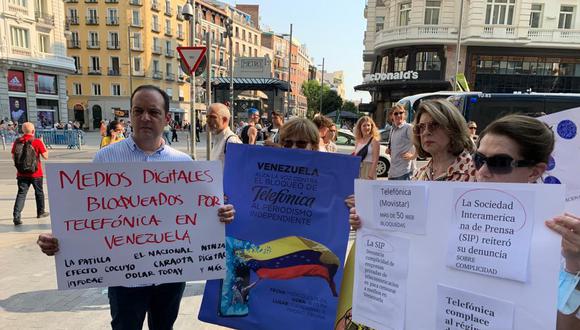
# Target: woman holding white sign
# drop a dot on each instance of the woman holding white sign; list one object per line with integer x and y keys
{"x": 517, "y": 149}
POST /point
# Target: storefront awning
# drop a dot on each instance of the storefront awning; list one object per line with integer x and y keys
{"x": 420, "y": 86}
{"x": 262, "y": 84}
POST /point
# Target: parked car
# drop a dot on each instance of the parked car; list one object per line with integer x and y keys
{"x": 385, "y": 135}
{"x": 345, "y": 142}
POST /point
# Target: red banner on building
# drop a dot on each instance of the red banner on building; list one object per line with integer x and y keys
{"x": 16, "y": 81}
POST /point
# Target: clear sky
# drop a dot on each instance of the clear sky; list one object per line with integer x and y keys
{"x": 330, "y": 29}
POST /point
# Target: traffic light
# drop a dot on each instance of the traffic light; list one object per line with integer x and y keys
{"x": 229, "y": 25}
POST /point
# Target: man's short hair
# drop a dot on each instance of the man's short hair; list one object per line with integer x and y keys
{"x": 322, "y": 121}
{"x": 165, "y": 96}
{"x": 277, "y": 114}
{"x": 221, "y": 109}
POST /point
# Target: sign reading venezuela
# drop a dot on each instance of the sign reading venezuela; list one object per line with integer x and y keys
{"x": 285, "y": 250}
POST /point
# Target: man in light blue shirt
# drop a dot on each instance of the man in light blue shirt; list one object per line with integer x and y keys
{"x": 129, "y": 305}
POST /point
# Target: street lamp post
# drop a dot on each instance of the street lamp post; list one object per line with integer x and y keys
{"x": 321, "y": 86}
{"x": 188, "y": 12}
{"x": 456, "y": 87}
{"x": 229, "y": 34}
{"x": 289, "y": 74}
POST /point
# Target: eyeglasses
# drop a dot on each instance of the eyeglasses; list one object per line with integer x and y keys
{"x": 420, "y": 128}
{"x": 398, "y": 113}
{"x": 499, "y": 164}
{"x": 299, "y": 144}
{"x": 472, "y": 127}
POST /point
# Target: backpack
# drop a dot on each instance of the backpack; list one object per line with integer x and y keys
{"x": 25, "y": 159}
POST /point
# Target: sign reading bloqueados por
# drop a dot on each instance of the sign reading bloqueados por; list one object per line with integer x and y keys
{"x": 136, "y": 223}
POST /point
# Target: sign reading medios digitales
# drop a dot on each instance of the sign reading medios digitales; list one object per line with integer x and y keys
{"x": 136, "y": 223}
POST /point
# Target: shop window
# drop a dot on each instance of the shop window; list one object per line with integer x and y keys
{"x": 428, "y": 61}
{"x": 432, "y": 9}
{"x": 500, "y": 12}
{"x": 385, "y": 64}
{"x": 400, "y": 63}
{"x": 405, "y": 14}
{"x": 566, "y": 17}
{"x": 536, "y": 16}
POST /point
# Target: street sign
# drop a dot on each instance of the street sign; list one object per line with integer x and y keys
{"x": 191, "y": 57}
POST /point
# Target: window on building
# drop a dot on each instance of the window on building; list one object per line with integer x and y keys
{"x": 180, "y": 30}
{"x": 95, "y": 64}
{"x": 404, "y": 14}
{"x": 136, "y": 18}
{"x": 380, "y": 23}
{"x": 155, "y": 65}
{"x": 114, "y": 40}
{"x": 566, "y": 17}
{"x": 115, "y": 65}
{"x": 500, "y": 12}
{"x": 237, "y": 32}
{"x": 168, "y": 7}
{"x": 432, "y": 9}
{"x": 113, "y": 16}
{"x": 155, "y": 23}
{"x": 168, "y": 68}
{"x": 96, "y": 89}
{"x": 385, "y": 64}
{"x": 19, "y": 37}
{"x": 536, "y": 16}
{"x": 380, "y": 3}
{"x": 255, "y": 53}
{"x": 74, "y": 39}
{"x": 137, "y": 64}
{"x": 115, "y": 89}
{"x": 22, "y": 3}
{"x": 93, "y": 39}
{"x": 44, "y": 43}
{"x": 168, "y": 47}
{"x": 400, "y": 63}
{"x": 93, "y": 16}
{"x": 136, "y": 38}
{"x": 428, "y": 61}
{"x": 77, "y": 89}
{"x": 167, "y": 26}
{"x": 77, "y": 63}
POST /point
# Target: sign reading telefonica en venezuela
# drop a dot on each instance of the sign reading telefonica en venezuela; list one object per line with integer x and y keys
{"x": 285, "y": 250}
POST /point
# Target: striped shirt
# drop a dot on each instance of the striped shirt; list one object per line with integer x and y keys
{"x": 127, "y": 151}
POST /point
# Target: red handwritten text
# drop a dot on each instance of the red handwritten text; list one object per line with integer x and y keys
{"x": 207, "y": 201}
{"x": 149, "y": 238}
{"x": 184, "y": 219}
{"x": 94, "y": 179}
{"x": 176, "y": 176}
{"x": 101, "y": 223}
{"x": 127, "y": 202}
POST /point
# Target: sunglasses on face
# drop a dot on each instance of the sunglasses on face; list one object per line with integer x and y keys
{"x": 398, "y": 113}
{"x": 299, "y": 144}
{"x": 420, "y": 128}
{"x": 473, "y": 127}
{"x": 499, "y": 164}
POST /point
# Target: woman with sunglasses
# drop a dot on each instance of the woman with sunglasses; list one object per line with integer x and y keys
{"x": 517, "y": 149}
{"x": 440, "y": 132}
{"x": 367, "y": 146}
{"x": 299, "y": 133}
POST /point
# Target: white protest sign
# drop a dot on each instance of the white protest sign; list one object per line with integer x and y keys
{"x": 564, "y": 163}
{"x": 400, "y": 208}
{"x": 136, "y": 223}
{"x": 380, "y": 282}
{"x": 573, "y": 202}
{"x": 459, "y": 310}
{"x": 427, "y": 255}
{"x": 490, "y": 232}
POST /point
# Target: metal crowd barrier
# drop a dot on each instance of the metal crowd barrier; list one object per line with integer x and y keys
{"x": 73, "y": 139}
{"x": 7, "y": 139}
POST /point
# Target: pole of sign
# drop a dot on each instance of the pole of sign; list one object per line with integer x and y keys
{"x": 130, "y": 64}
{"x": 456, "y": 85}
{"x": 289, "y": 73}
{"x": 192, "y": 112}
{"x": 231, "y": 85}
{"x": 321, "y": 86}
{"x": 208, "y": 87}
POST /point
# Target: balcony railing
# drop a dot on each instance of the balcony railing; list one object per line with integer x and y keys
{"x": 170, "y": 76}
{"x": 408, "y": 34}
{"x": 112, "y": 20}
{"x": 157, "y": 50}
{"x": 44, "y": 18}
{"x": 72, "y": 20}
{"x": 111, "y": 1}
{"x": 90, "y": 1}
{"x": 499, "y": 32}
{"x": 94, "y": 70}
{"x": 92, "y": 20}
{"x": 73, "y": 44}
{"x": 138, "y": 23}
{"x": 113, "y": 44}
{"x": 554, "y": 35}
{"x": 155, "y": 6}
{"x": 114, "y": 71}
{"x": 157, "y": 75}
{"x": 93, "y": 44}
{"x": 155, "y": 27}
{"x": 169, "y": 52}
{"x": 138, "y": 47}
{"x": 168, "y": 32}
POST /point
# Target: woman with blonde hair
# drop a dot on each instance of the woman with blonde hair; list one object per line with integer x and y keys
{"x": 299, "y": 133}
{"x": 367, "y": 147}
{"x": 440, "y": 132}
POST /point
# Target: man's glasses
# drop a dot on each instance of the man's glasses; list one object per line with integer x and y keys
{"x": 398, "y": 113}
{"x": 499, "y": 164}
{"x": 420, "y": 128}
{"x": 299, "y": 144}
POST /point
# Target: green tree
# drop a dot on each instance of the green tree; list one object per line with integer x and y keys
{"x": 311, "y": 89}
{"x": 330, "y": 100}
{"x": 349, "y": 106}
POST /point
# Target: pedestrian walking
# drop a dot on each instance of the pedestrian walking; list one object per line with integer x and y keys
{"x": 26, "y": 152}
